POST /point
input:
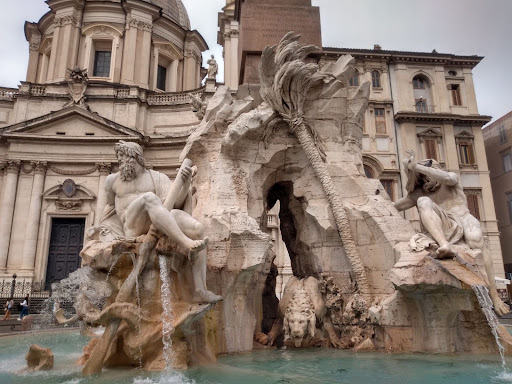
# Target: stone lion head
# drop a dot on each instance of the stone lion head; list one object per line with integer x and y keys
{"x": 299, "y": 323}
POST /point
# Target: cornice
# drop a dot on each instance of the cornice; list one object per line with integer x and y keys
{"x": 405, "y": 56}
{"x": 403, "y": 117}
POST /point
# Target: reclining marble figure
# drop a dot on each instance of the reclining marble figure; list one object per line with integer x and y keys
{"x": 135, "y": 201}
{"x": 444, "y": 213}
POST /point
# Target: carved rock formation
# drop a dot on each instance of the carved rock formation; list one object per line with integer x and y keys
{"x": 39, "y": 358}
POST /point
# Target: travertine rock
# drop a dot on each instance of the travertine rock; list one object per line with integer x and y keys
{"x": 39, "y": 358}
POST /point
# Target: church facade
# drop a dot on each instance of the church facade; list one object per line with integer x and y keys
{"x": 58, "y": 131}
{"x": 59, "y": 128}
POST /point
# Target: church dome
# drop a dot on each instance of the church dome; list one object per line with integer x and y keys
{"x": 174, "y": 9}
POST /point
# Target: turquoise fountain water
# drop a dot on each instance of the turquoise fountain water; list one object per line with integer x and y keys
{"x": 263, "y": 367}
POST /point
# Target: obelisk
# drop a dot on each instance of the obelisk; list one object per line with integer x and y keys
{"x": 265, "y": 22}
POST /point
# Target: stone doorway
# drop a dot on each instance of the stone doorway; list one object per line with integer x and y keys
{"x": 66, "y": 242}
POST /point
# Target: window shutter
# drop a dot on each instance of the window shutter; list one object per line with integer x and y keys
{"x": 431, "y": 148}
{"x": 471, "y": 154}
{"x": 473, "y": 204}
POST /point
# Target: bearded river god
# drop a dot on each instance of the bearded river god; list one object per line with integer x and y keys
{"x": 135, "y": 195}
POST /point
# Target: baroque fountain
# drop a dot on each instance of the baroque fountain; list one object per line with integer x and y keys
{"x": 363, "y": 279}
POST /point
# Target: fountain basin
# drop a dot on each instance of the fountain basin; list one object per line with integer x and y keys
{"x": 312, "y": 365}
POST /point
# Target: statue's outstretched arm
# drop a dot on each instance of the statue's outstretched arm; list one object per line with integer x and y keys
{"x": 404, "y": 203}
{"x": 448, "y": 178}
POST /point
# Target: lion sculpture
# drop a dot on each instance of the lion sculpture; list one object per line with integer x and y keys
{"x": 301, "y": 309}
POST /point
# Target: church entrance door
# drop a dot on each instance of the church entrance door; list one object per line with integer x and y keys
{"x": 66, "y": 242}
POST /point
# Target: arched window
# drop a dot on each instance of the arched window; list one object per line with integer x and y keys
{"x": 422, "y": 95}
{"x": 419, "y": 82}
{"x": 368, "y": 172}
{"x": 354, "y": 80}
{"x": 376, "y": 79}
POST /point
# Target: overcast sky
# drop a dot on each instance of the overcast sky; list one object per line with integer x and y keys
{"x": 463, "y": 27}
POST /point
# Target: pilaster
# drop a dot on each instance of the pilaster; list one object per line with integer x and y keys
{"x": 235, "y": 69}
{"x": 12, "y": 169}
{"x": 34, "y": 213}
{"x": 66, "y": 36}
{"x": 33, "y": 57}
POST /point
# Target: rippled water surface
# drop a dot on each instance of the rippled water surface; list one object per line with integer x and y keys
{"x": 261, "y": 367}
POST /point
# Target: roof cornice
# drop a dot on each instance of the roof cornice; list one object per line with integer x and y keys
{"x": 406, "y": 57}
{"x": 403, "y": 117}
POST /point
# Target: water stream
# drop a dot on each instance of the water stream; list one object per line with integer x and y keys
{"x": 482, "y": 294}
{"x": 139, "y": 325}
{"x": 167, "y": 318}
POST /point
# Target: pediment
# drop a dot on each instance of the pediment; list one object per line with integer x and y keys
{"x": 432, "y": 132}
{"x": 70, "y": 123}
{"x": 464, "y": 135}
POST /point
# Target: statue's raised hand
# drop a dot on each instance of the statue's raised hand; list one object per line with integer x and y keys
{"x": 186, "y": 174}
{"x": 410, "y": 160}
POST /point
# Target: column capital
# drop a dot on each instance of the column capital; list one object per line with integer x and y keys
{"x": 60, "y": 21}
{"x": 135, "y": 22}
{"x": 34, "y": 44}
{"x": 104, "y": 168}
{"x": 39, "y": 167}
{"x": 12, "y": 166}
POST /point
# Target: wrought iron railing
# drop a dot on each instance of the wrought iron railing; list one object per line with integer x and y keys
{"x": 39, "y": 297}
{"x": 19, "y": 289}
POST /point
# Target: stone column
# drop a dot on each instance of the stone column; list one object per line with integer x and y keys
{"x": 33, "y": 59}
{"x": 104, "y": 170}
{"x": 174, "y": 76}
{"x": 53, "y": 55}
{"x": 145, "y": 54}
{"x": 130, "y": 40}
{"x": 235, "y": 70}
{"x": 34, "y": 213}
{"x": 7, "y": 208}
{"x": 227, "y": 60}
{"x": 189, "y": 73}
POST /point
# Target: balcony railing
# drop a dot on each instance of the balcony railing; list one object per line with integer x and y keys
{"x": 423, "y": 108}
{"x": 172, "y": 98}
{"x": 8, "y": 93}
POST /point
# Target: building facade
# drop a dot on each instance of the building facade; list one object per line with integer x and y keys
{"x": 498, "y": 145}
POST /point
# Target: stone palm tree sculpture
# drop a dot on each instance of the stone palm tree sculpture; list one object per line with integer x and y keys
{"x": 285, "y": 82}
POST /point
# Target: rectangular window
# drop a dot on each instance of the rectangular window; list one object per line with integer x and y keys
{"x": 431, "y": 149}
{"x": 507, "y": 162}
{"x": 380, "y": 121}
{"x": 102, "y": 64}
{"x": 376, "y": 79}
{"x": 503, "y": 134}
{"x": 161, "y": 77}
{"x": 466, "y": 155}
{"x": 388, "y": 186}
{"x": 472, "y": 198}
{"x": 455, "y": 91}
